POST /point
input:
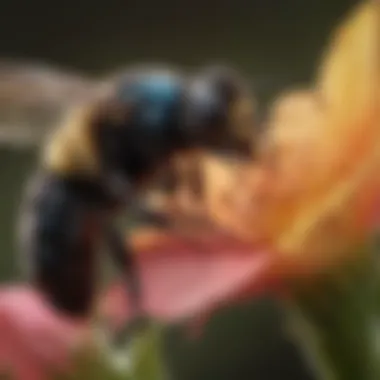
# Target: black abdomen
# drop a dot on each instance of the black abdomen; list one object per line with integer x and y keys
{"x": 59, "y": 242}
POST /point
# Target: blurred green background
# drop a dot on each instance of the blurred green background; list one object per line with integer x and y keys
{"x": 276, "y": 43}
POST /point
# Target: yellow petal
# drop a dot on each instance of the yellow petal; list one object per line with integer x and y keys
{"x": 318, "y": 170}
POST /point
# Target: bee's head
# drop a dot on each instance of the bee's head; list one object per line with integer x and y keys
{"x": 141, "y": 112}
{"x": 220, "y": 110}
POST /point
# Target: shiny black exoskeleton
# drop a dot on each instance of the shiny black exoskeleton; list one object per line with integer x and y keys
{"x": 145, "y": 118}
{"x": 223, "y": 108}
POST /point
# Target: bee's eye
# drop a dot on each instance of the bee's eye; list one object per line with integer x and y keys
{"x": 205, "y": 106}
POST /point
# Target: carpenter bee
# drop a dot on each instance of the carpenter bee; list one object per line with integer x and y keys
{"x": 97, "y": 163}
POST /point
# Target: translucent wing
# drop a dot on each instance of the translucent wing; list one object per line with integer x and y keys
{"x": 32, "y": 97}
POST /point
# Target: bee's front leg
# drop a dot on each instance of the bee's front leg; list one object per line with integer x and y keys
{"x": 124, "y": 258}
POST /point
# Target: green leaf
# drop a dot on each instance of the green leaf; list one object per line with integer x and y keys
{"x": 102, "y": 362}
{"x": 336, "y": 320}
{"x": 93, "y": 364}
{"x": 146, "y": 359}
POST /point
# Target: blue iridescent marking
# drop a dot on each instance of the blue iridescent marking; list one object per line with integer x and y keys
{"x": 157, "y": 97}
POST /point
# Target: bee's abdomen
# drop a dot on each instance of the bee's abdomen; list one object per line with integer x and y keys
{"x": 59, "y": 247}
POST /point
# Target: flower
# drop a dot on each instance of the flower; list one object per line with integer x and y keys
{"x": 295, "y": 211}
{"x": 35, "y": 341}
{"x": 334, "y": 183}
{"x": 183, "y": 277}
{"x": 312, "y": 191}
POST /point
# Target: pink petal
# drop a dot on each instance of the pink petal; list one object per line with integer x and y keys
{"x": 183, "y": 278}
{"x": 34, "y": 338}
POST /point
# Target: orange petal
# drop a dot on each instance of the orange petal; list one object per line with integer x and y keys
{"x": 34, "y": 339}
{"x": 311, "y": 190}
{"x": 184, "y": 277}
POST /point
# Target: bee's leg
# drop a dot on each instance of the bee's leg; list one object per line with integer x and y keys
{"x": 151, "y": 217}
{"x": 124, "y": 258}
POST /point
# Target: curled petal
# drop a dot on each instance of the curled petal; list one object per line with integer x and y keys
{"x": 35, "y": 341}
{"x": 184, "y": 277}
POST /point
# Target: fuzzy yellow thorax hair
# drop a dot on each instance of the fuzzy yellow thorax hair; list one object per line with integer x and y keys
{"x": 70, "y": 148}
